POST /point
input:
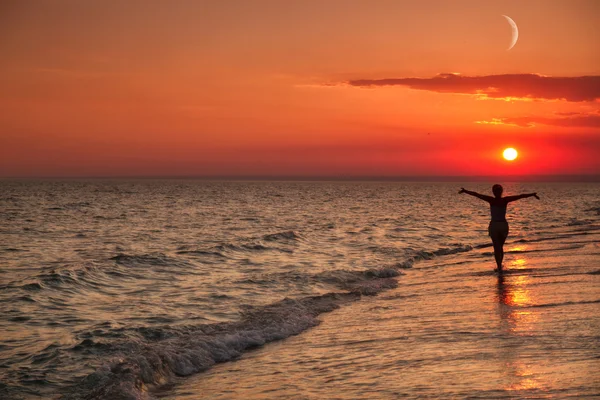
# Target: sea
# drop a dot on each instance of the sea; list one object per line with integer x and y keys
{"x": 188, "y": 289}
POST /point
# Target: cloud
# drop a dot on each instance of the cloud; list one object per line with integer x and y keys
{"x": 523, "y": 86}
{"x": 567, "y": 120}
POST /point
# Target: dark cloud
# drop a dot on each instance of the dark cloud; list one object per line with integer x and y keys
{"x": 576, "y": 88}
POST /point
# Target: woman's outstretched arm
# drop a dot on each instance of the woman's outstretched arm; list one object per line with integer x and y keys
{"x": 520, "y": 196}
{"x": 478, "y": 195}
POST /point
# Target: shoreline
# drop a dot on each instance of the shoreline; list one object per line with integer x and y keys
{"x": 473, "y": 338}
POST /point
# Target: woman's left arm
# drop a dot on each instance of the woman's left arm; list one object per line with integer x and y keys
{"x": 521, "y": 196}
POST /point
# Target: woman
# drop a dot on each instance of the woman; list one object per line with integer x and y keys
{"x": 498, "y": 229}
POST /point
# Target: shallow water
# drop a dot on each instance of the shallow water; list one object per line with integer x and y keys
{"x": 451, "y": 329}
{"x": 123, "y": 287}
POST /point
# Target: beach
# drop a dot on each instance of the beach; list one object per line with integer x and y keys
{"x": 183, "y": 289}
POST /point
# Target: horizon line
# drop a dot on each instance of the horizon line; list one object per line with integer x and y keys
{"x": 341, "y": 178}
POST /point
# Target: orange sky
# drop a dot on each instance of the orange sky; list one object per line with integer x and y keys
{"x": 319, "y": 88}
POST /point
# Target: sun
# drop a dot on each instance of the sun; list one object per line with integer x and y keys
{"x": 510, "y": 154}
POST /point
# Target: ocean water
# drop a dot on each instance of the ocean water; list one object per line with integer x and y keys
{"x": 189, "y": 289}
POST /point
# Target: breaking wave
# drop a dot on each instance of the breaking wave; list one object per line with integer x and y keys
{"x": 152, "y": 364}
{"x": 153, "y": 356}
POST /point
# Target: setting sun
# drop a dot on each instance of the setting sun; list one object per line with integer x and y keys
{"x": 510, "y": 154}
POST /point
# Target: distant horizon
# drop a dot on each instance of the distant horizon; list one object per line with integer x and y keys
{"x": 582, "y": 178}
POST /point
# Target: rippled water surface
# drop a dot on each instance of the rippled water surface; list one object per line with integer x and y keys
{"x": 133, "y": 288}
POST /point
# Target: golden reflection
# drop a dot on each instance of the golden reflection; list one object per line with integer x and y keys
{"x": 526, "y": 379}
{"x": 519, "y": 295}
{"x": 517, "y": 320}
{"x": 519, "y": 263}
{"x": 519, "y": 248}
{"x": 513, "y": 297}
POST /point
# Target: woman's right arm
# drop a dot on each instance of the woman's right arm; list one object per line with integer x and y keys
{"x": 478, "y": 195}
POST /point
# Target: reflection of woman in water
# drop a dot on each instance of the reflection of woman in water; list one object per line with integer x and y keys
{"x": 498, "y": 229}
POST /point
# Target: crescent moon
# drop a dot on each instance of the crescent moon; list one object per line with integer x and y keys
{"x": 515, "y": 32}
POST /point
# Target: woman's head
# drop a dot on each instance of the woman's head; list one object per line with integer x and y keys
{"x": 497, "y": 190}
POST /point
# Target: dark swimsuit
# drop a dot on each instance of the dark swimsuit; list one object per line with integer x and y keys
{"x": 498, "y": 225}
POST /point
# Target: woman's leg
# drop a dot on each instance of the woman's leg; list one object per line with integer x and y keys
{"x": 498, "y": 241}
{"x": 498, "y": 232}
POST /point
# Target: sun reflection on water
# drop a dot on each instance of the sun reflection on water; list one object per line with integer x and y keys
{"x": 515, "y": 294}
{"x": 518, "y": 249}
{"x": 525, "y": 377}
{"x": 519, "y": 263}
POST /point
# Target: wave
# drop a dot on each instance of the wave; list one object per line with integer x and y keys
{"x": 566, "y": 303}
{"x": 428, "y": 255}
{"x": 202, "y": 253}
{"x": 77, "y": 277}
{"x": 281, "y": 236}
{"x": 145, "y": 260}
{"x": 459, "y": 248}
{"x": 597, "y": 272}
{"x": 139, "y": 359}
{"x": 369, "y": 282}
{"x": 149, "y": 365}
{"x": 594, "y": 210}
{"x": 248, "y": 247}
{"x": 59, "y": 279}
{"x": 153, "y": 356}
{"x": 554, "y": 238}
{"x": 366, "y": 282}
{"x": 93, "y": 277}
{"x": 224, "y": 250}
{"x": 554, "y": 249}
{"x": 578, "y": 222}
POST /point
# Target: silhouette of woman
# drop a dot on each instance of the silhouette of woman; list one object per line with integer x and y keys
{"x": 498, "y": 228}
